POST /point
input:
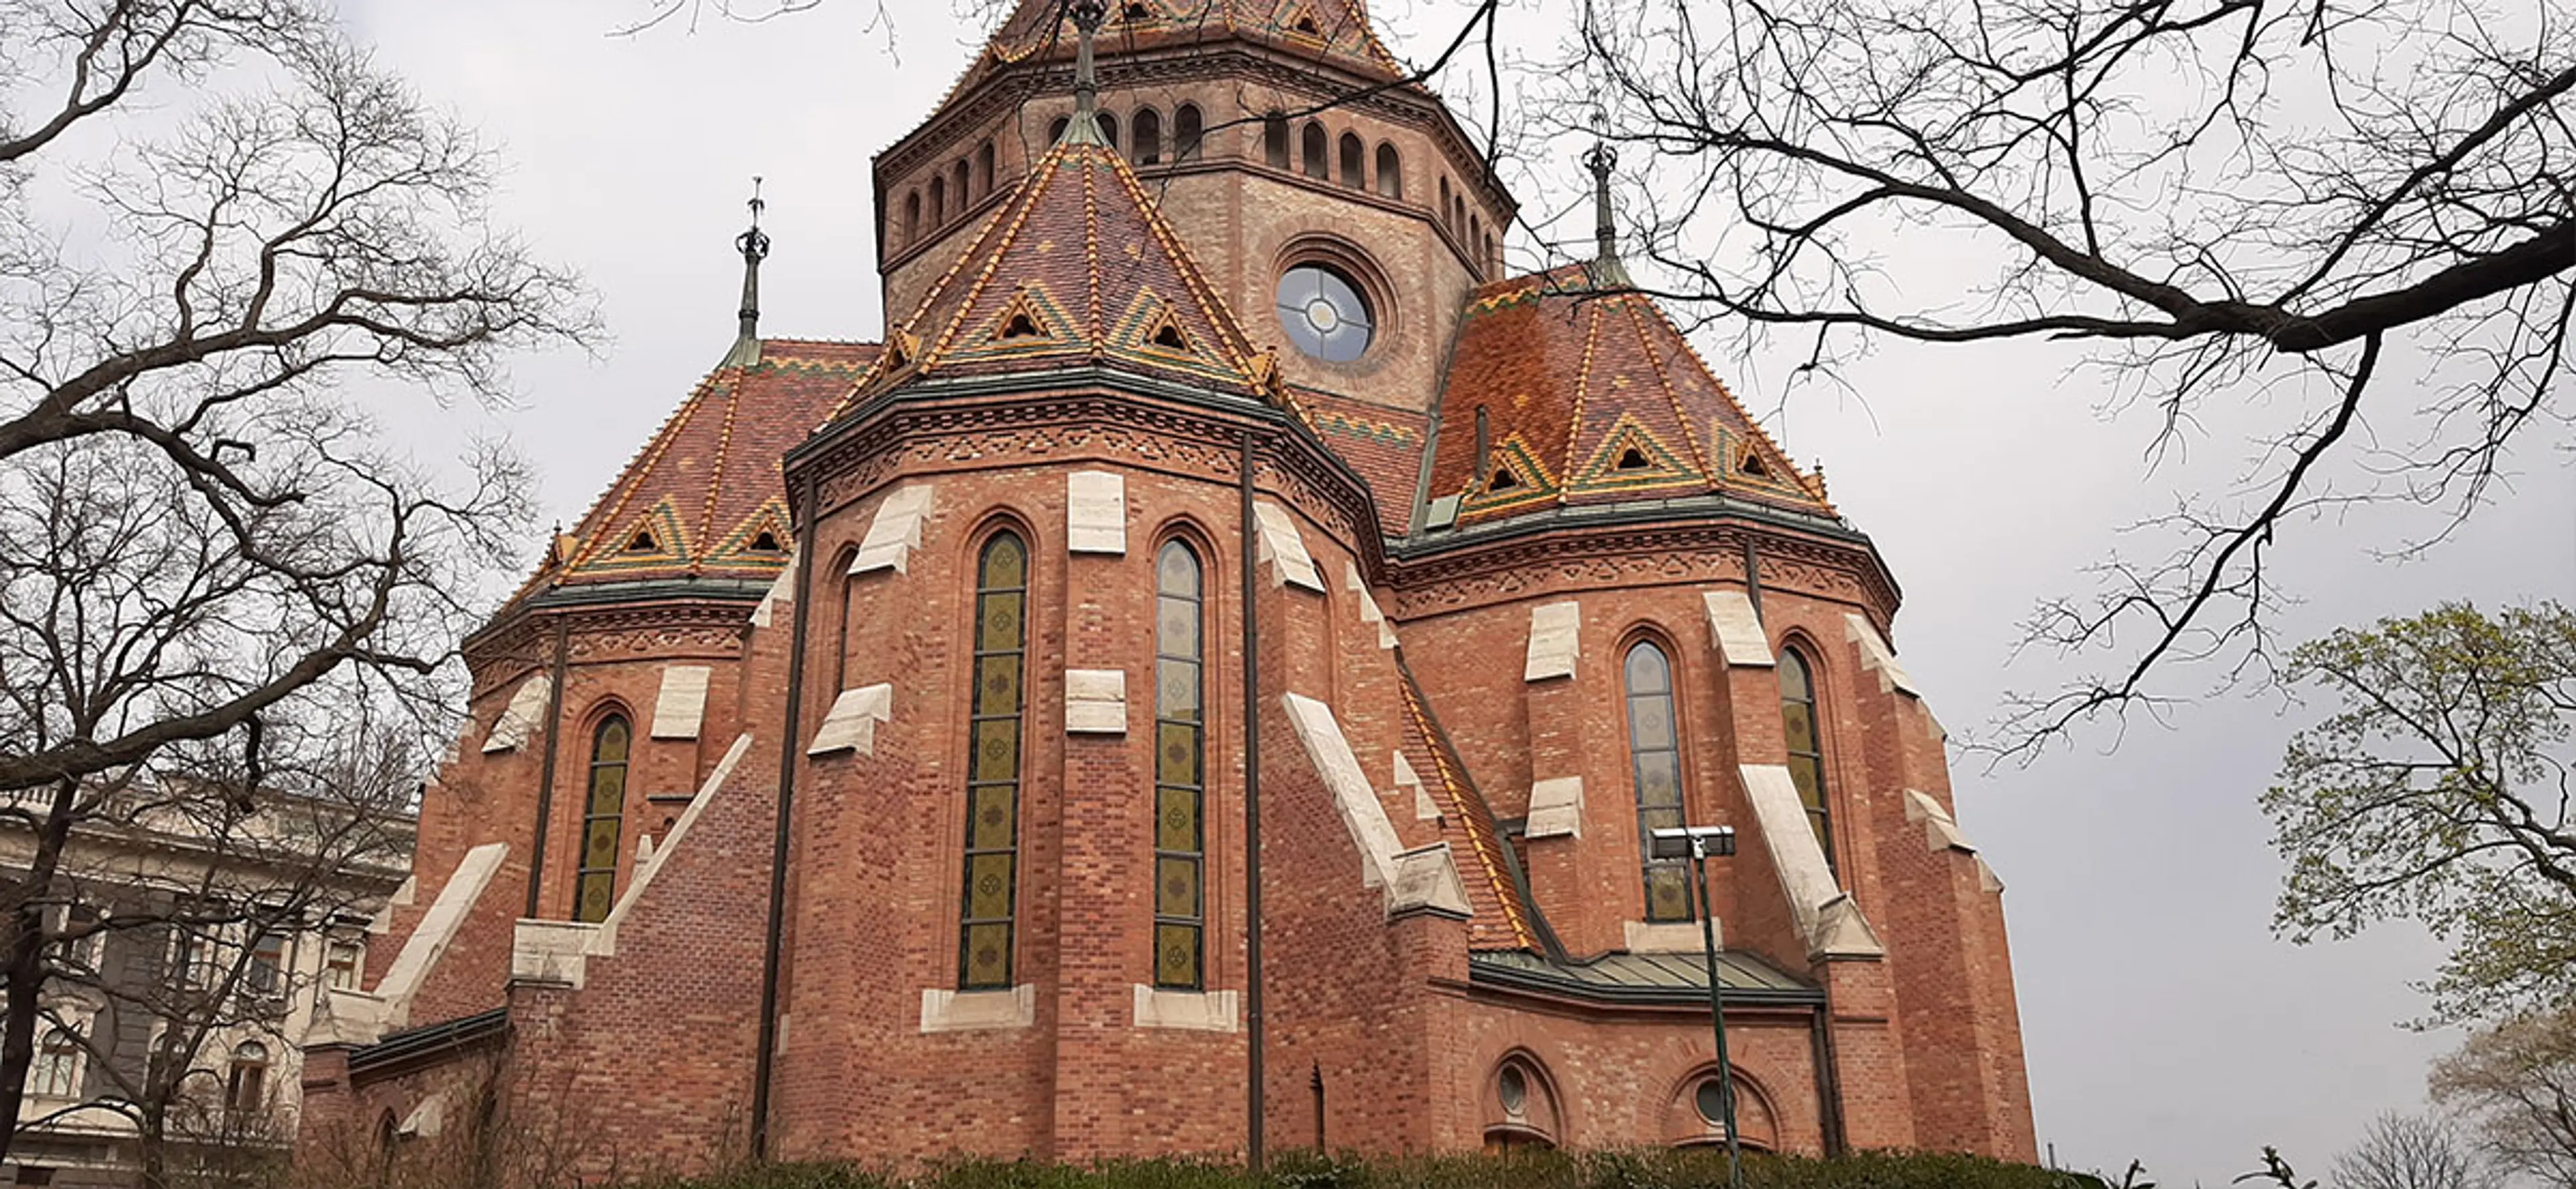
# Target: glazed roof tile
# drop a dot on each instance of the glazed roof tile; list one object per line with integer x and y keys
{"x": 1592, "y": 396}
{"x": 1077, "y": 267}
{"x": 703, "y": 498}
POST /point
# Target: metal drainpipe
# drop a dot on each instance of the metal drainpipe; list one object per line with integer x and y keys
{"x": 767, "y": 1057}
{"x": 1255, "y": 1092}
{"x": 546, "y": 773}
{"x": 1829, "y": 1079}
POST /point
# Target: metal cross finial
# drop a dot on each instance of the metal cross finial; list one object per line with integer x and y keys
{"x": 1087, "y": 16}
{"x": 755, "y": 242}
{"x": 754, "y": 246}
{"x": 1601, "y": 159}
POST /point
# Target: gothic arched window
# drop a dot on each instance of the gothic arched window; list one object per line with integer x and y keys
{"x": 1311, "y": 151}
{"x": 1654, "y": 750}
{"x": 938, "y": 200}
{"x": 1180, "y": 782}
{"x": 1806, "y": 745}
{"x": 1354, "y": 161}
{"x": 1274, "y": 140}
{"x": 984, "y": 170}
{"x": 991, "y": 895}
{"x": 911, "y": 217}
{"x": 594, "y": 889}
{"x": 1186, "y": 132}
{"x": 1145, "y": 138}
{"x": 958, "y": 180}
{"x": 1390, "y": 171}
{"x": 1108, "y": 129}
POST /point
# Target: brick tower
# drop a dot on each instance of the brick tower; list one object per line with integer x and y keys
{"x": 866, "y": 775}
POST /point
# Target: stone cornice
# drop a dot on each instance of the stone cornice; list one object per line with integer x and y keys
{"x": 519, "y": 642}
{"x": 1604, "y": 552}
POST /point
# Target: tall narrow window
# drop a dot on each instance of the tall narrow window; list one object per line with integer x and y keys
{"x": 938, "y": 201}
{"x": 1311, "y": 152}
{"x": 1806, "y": 748}
{"x": 57, "y": 1069}
{"x": 993, "y": 770}
{"x": 1390, "y": 171}
{"x": 246, "y": 1083}
{"x": 594, "y": 890}
{"x": 1180, "y": 789}
{"x": 1108, "y": 130}
{"x": 1654, "y": 745}
{"x": 1274, "y": 140}
{"x": 267, "y": 973}
{"x": 1145, "y": 138}
{"x": 1187, "y": 130}
{"x": 911, "y": 217}
{"x": 958, "y": 180}
{"x": 984, "y": 170}
{"x": 1354, "y": 162}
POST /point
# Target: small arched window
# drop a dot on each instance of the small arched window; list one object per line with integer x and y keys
{"x": 1354, "y": 161}
{"x": 1055, "y": 129}
{"x": 1806, "y": 745}
{"x": 911, "y": 218}
{"x": 1311, "y": 151}
{"x": 603, "y": 811}
{"x": 1655, "y": 755}
{"x": 959, "y": 178}
{"x": 1147, "y": 141}
{"x": 1475, "y": 231}
{"x": 984, "y": 170}
{"x": 991, "y": 896}
{"x": 1274, "y": 140}
{"x": 246, "y": 1081}
{"x": 1108, "y": 130}
{"x": 938, "y": 200}
{"x": 1187, "y": 131}
{"x": 1390, "y": 171}
{"x": 57, "y": 1070}
{"x": 1443, "y": 211}
{"x": 1521, "y": 1115}
{"x": 1180, "y": 791}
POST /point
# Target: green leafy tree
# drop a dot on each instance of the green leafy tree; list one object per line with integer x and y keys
{"x": 2440, "y": 791}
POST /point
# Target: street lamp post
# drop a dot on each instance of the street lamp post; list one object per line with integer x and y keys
{"x": 1697, "y": 843}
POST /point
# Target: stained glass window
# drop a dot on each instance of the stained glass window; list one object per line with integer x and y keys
{"x": 991, "y": 894}
{"x": 1324, "y": 314}
{"x": 1654, "y": 749}
{"x": 1806, "y": 745}
{"x": 1180, "y": 778}
{"x": 602, "y": 812}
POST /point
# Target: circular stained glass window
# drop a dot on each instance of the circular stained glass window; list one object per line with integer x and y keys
{"x": 1323, "y": 313}
{"x": 1513, "y": 1089}
{"x": 1710, "y": 1098}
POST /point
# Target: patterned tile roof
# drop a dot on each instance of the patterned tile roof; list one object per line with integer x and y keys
{"x": 1384, "y": 445}
{"x": 1076, "y": 268}
{"x": 703, "y": 498}
{"x": 1593, "y": 398}
{"x": 1502, "y": 920}
{"x": 1334, "y": 31}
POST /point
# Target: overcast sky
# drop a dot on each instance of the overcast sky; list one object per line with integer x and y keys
{"x": 2163, "y": 1021}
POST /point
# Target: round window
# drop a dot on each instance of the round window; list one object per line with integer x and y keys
{"x": 1323, "y": 313}
{"x": 1513, "y": 1088}
{"x": 1711, "y": 1100}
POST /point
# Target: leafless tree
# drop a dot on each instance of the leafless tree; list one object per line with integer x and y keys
{"x": 2327, "y": 212}
{"x": 2517, "y": 1080}
{"x": 216, "y": 217}
{"x": 2410, "y": 1152}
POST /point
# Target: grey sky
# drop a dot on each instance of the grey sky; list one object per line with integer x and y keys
{"x": 2162, "y": 1020}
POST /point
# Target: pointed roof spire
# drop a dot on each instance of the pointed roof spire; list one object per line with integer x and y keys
{"x": 1607, "y": 271}
{"x": 1087, "y": 16}
{"x": 754, "y": 245}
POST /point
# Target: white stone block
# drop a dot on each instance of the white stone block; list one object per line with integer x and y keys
{"x": 1197, "y": 1011}
{"x": 943, "y": 1010}
{"x": 1369, "y": 612}
{"x": 1940, "y": 830}
{"x": 1670, "y": 937}
{"x": 427, "y": 1119}
{"x": 1426, "y": 879}
{"x": 681, "y": 707}
{"x": 1371, "y": 833}
{"x": 519, "y": 719}
{"x": 551, "y": 952}
{"x": 1284, "y": 549}
{"x": 1805, "y": 879}
{"x": 1556, "y": 808}
{"x": 852, "y": 723}
{"x": 1876, "y": 655}
{"x": 1095, "y": 701}
{"x": 1986, "y": 877}
{"x": 1095, "y": 512}
{"x": 1554, "y": 641}
{"x": 1737, "y": 628}
{"x": 782, "y": 593}
{"x": 895, "y": 532}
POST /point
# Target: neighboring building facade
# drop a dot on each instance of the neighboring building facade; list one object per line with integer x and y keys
{"x": 1524, "y": 583}
{"x": 234, "y": 924}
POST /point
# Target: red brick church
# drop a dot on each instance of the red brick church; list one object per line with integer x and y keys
{"x": 867, "y": 774}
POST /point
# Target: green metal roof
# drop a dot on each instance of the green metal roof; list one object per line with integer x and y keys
{"x": 1642, "y": 978}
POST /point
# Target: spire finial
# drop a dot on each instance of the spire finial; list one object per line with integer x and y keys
{"x": 754, "y": 246}
{"x": 1600, "y": 159}
{"x": 1087, "y": 16}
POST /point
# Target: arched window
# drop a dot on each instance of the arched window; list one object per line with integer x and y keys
{"x": 991, "y": 896}
{"x": 1475, "y": 232}
{"x": 1521, "y": 1112}
{"x": 958, "y": 181}
{"x": 1147, "y": 139}
{"x": 1186, "y": 133}
{"x": 1274, "y": 140}
{"x": 984, "y": 170}
{"x": 594, "y": 889}
{"x": 246, "y": 1082}
{"x": 1390, "y": 171}
{"x": 1055, "y": 129}
{"x": 57, "y": 1070}
{"x": 1806, "y": 746}
{"x": 1654, "y": 750}
{"x": 1180, "y": 791}
{"x": 1311, "y": 151}
{"x": 1354, "y": 161}
{"x": 1108, "y": 130}
{"x": 938, "y": 200}
{"x": 1443, "y": 211}
{"x": 911, "y": 218}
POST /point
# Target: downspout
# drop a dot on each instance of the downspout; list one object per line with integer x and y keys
{"x": 765, "y": 1059}
{"x": 546, "y": 772}
{"x": 1251, "y": 823}
{"x": 1829, "y": 1079}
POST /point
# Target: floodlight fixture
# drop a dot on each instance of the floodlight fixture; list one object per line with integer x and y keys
{"x": 1691, "y": 842}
